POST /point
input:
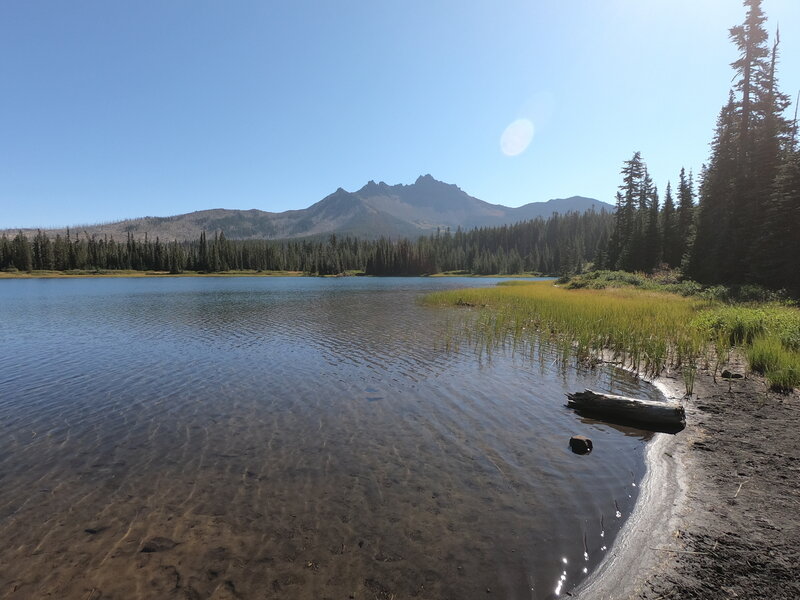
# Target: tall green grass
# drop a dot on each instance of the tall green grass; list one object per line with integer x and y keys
{"x": 779, "y": 365}
{"x": 648, "y": 330}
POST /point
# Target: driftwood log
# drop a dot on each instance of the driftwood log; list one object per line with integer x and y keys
{"x": 649, "y": 414}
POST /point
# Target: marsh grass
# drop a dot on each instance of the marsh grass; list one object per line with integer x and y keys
{"x": 645, "y": 329}
{"x": 769, "y": 334}
{"x": 779, "y": 365}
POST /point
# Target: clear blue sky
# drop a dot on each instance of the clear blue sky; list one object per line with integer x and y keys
{"x": 111, "y": 110}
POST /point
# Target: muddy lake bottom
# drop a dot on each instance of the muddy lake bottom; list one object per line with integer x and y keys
{"x": 291, "y": 438}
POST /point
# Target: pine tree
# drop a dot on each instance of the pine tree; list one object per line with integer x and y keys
{"x": 685, "y": 211}
{"x": 707, "y": 260}
{"x": 21, "y": 253}
{"x": 610, "y": 255}
{"x": 750, "y": 39}
{"x": 733, "y": 238}
{"x": 782, "y": 229}
{"x": 773, "y": 146}
{"x": 203, "y": 262}
{"x": 757, "y": 143}
{"x": 653, "y": 239}
{"x": 669, "y": 231}
{"x": 622, "y": 251}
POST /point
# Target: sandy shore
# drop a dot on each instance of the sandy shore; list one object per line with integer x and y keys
{"x": 719, "y": 509}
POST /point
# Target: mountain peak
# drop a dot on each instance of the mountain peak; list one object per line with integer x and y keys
{"x": 376, "y": 209}
{"x": 372, "y": 188}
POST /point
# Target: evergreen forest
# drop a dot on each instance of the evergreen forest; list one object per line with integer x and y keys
{"x": 735, "y": 222}
{"x": 561, "y": 243}
{"x": 745, "y": 226}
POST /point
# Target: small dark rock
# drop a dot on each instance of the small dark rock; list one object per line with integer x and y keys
{"x": 158, "y": 544}
{"x": 580, "y": 444}
{"x": 94, "y": 530}
{"x": 730, "y": 375}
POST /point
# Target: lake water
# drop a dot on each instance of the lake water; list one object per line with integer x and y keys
{"x": 290, "y": 438}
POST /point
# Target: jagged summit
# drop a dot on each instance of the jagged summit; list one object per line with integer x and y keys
{"x": 377, "y": 209}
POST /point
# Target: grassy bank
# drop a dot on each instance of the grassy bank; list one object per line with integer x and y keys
{"x": 648, "y": 329}
{"x": 468, "y": 274}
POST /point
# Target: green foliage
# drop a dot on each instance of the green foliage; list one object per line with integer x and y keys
{"x": 599, "y": 280}
{"x": 647, "y": 330}
{"x": 779, "y": 365}
{"x": 743, "y": 324}
{"x": 670, "y": 281}
{"x": 633, "y": 318}
{"x": 660, "y": 282}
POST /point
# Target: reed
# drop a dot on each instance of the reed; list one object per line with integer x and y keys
{"x": 647, "y": 330}
{"x": 778, "y": 364}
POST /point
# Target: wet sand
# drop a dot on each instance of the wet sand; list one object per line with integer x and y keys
{"x": 719, "y": 512}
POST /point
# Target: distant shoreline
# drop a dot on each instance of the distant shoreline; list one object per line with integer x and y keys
{"x": 84, "y": 274}
{"x": 131, "y": 273}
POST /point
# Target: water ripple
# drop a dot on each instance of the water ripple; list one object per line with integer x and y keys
{"x": 287, "y": 422}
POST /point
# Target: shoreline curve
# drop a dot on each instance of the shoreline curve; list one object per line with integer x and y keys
{"x": 636, "y": 552}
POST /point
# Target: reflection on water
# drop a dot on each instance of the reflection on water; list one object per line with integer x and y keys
{"x": 303, "y": 438}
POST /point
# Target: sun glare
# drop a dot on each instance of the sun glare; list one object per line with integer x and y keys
{"x": 516, "y": 137}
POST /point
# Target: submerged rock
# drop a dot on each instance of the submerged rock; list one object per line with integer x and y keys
{"x": 580, "y": 444}
{"x": 94, "y": 530}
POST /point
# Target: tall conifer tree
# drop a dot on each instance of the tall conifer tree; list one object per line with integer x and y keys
{"x": 669, "y": 231}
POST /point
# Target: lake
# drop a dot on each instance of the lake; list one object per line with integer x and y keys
{"x": 291, "y": 438}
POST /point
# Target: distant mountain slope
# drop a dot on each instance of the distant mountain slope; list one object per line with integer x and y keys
{"x": 429, "y": 204}
{"x": 376, "y": 209}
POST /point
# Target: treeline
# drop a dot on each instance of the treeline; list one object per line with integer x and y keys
{"x": 217, "y": 254}
{"x": 745, "y": 227}
{"x": 559, "y": 244}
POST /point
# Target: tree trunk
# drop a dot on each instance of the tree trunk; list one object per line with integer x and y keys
{"x": 659, "y": 416}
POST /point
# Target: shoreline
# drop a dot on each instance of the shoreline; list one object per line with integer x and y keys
{"x": 132, "y": 274}
{"x": 125, "y": 273}
{"x": 719, "y": 505}
{"x": 719, "y": 508}
{"x": 662, "y": 498}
